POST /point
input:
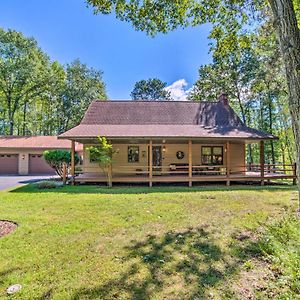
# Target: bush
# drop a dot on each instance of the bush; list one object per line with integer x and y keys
{"x": 57, "y": 158}
{"x": 48, "y": 184}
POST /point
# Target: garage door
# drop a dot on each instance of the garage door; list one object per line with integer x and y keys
{"x": 37, "y": 165}
{"x": 9, "y": 163}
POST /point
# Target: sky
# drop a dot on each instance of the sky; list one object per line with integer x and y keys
{"x": 68, "y": 29}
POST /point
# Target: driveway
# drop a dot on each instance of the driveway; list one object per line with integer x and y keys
{"x": 7, "y": 182}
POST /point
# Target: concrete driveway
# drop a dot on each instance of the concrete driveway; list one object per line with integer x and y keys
{"x": 8, "y": 182}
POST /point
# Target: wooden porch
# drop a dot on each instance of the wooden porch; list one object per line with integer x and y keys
{"x": 199, "y": 174}
{"x": 191, "y": 173}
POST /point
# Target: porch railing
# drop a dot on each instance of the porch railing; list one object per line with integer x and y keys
{"x": 247, "y": 170}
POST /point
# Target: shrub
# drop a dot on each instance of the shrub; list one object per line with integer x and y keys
{"x": 48, "y": 184}
{"x": 57, "y": 158}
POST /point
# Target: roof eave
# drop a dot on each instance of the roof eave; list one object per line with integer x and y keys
{"x": 75, "y": 137}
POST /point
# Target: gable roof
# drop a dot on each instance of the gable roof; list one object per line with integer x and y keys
{"x": 120, "y": 119}
{"x": 36, "y": 142}
{"x": 160, "y": 113}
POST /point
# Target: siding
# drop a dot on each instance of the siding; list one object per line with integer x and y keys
{"x": 120, "y": 163}
{"x": 237, "y": 157}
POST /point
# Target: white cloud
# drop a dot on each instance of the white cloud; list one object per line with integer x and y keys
{"x": 178, "y": 90}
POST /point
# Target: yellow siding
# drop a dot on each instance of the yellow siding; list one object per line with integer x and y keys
{"x": 237, "y": 157}
{"x": 169, "y": 157}
{"x": 120, "y": 163}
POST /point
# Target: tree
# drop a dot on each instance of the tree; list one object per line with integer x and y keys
{"x": 24, "y": 72}
{"x": 285, "y": 22}
{"x": 225, "y": 15}
{"x": 58, "y": 158}
{"x": 151, "y": 89}
{"x": 82, "y": 85}
{"x": 38, "y": 96}
{"x": 103, "y": 154}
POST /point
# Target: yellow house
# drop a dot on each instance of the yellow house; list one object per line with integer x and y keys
{"x": 170, "y": 141}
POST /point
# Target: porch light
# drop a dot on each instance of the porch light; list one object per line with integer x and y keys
{"x": 23, "y": 156}
{"x": 164, "y": 141}
{"x": 164, "y": 149}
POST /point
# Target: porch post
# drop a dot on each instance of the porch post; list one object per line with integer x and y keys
{"x": 190, "y": 163}
{"x": 73, "y": 160}
{"x": 295, "y": 173}
{"x": 262, "y": 162}
{"x": 150, "y": 163}
{"x": 228, "y": 163}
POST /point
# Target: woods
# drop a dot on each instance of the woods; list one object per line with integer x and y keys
{"x": 251, "y": 72}
{"x": 39, "y": 96}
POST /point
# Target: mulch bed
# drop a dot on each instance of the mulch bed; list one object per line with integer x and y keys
{"x": 7, "y": 227}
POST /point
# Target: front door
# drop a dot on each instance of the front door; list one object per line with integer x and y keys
{"x": 156, "y": 160}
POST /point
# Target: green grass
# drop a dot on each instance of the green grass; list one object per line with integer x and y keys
{"x": 280, "y": 244}
{"x": 90, "y": 242}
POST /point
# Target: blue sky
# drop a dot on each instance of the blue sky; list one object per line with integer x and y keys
{"x": 67, "y": 29}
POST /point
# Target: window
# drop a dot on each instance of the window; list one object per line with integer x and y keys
{"x": 212, "y": 155}
{"x": 133, "y": 154}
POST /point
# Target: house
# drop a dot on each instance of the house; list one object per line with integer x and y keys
{"x": 169, "y": 141}
{"x": 24, "y": 155}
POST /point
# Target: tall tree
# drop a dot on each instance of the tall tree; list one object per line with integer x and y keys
{"x": 151, "y": 89}
{"x": 24, "y": 72}
{"x": 82, "y": 85}
{"x": 285, "y": 22}
{"x": 165, "y": 15}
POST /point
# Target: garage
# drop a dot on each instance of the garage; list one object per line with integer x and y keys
{"x": 23, "y": 155}
{"x": 9, "y": 163}
{"x": 37, "y": 165}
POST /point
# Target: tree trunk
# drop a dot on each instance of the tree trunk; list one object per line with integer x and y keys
{"x": 109, "y": 175}
{"x": 244, "y": 119}
{"x": 24, "y": 118}
{"x": 11, "y": 127}
{"x": 289, "y": 37}
{"x": 270, "y": 107}
{"x": 282, "y": 147}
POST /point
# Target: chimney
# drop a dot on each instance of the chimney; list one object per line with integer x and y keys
{"x": 224, "y": 99}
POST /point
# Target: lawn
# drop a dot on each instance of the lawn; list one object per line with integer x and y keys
{"x": 91, "y": 242}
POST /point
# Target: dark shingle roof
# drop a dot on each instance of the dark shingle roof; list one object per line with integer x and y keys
{"x": 162, "y": 119}
{"x": 160, "y": 113}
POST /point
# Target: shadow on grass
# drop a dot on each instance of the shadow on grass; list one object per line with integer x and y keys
{"x": 184, "y": 265}
{"x": 7, "y": 272}
{"x": 159, "y": 188}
